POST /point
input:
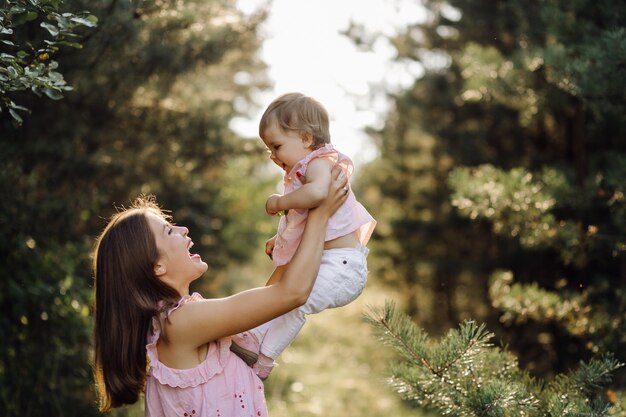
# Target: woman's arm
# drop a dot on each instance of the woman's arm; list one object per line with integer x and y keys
{"x": 200, "y": 322}
{"x": 276, "y": 275}
{"x": 311, "y": 194}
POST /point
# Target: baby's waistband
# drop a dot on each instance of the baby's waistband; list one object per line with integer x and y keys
{"x": 360, "y": 248}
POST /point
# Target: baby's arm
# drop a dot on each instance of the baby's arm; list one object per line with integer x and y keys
{"x": 310, "y": 195}
{"x": 269, "y": 246}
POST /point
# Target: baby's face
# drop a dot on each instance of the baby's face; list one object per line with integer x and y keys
{"x": 286, "y": 148}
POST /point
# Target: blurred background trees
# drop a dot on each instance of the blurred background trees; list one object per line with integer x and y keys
{"x": 154, "y": 88}
{"x": 499, "y": 187}
{"x": 501, "y": 177}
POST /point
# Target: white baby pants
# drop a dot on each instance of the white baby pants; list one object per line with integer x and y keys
{"x": 340, "y": 280}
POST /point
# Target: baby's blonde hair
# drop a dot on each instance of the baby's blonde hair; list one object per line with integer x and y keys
{"x": 299, "y": 113}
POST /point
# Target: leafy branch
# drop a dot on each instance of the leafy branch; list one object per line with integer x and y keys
{"x": 25, "y": 66}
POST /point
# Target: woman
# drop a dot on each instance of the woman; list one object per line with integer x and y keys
{"x": 152, "y": 335}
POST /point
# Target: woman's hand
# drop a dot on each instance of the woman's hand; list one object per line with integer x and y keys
{"x": 337, "y": 194}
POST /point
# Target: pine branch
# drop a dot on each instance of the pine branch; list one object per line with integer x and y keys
{"x": 463, "y": 375}
{"x": 455, "y": 375}
{"x": 596, "y": 374}
{"x": 460, "y": 346}
{"x": 400, "y": 332}
{"x": 581, "y": 388}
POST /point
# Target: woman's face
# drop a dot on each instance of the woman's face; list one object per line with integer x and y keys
{"x": 176, "y": 265}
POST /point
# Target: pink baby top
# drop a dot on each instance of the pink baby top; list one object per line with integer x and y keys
{"x": 350, "y": 217}
{"x": 221, "y": 386}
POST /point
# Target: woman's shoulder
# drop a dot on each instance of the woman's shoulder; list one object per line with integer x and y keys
{"x": 172, "y": 328}
{"x": 190, "y": 298}
{"x": 178, "y": 312}
{"x": 169, "y": 318}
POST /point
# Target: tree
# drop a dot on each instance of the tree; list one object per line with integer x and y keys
{"x": 154, "y": 90}
{"x": 500, "y": 182}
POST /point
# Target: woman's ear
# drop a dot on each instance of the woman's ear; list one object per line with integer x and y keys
{"x": 159, "y": 269}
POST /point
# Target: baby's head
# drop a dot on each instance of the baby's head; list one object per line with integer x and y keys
{"x": 295, "y": 112}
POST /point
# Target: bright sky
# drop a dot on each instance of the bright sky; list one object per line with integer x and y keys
{"x": 306, "y": 53}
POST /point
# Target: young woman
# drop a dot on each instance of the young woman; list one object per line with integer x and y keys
{"x": 152, "y": 335}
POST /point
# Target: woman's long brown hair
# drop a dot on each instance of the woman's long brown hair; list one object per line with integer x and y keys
{"x": 127, "y": 293}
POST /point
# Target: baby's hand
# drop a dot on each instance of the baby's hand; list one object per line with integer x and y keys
{"x": 269, "y": 246}
{"x": 271, "y": 205}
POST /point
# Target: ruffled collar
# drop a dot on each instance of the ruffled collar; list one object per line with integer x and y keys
{"x": 183, "y": 378}
{"x": 299, "y": 169}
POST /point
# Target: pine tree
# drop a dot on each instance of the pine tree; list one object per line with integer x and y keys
{"x": 500, "y": 187}
{"x": 463, "y": 374}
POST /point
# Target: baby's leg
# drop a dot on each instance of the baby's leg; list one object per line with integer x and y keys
{"x": 340, "y": 280}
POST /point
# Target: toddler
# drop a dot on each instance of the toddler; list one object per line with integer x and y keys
{"x": 295, "y": 130}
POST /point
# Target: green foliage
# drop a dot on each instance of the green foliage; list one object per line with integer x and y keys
{"x": 28, "y": 65}
{"x": 501, "y": 177}
{"x": 590, "y": 314}
{"x": 529, "y": 208}
{"x": 45, "y": 327}
{"x": 520, "y": 205}
{"x": 463, "y": 374}
{"x": 154, "y": 91}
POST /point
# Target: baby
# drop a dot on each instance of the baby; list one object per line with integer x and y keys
{"x": 295, "y": 130}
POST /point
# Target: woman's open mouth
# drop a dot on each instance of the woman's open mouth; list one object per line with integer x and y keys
{"x": 192, "y": 255}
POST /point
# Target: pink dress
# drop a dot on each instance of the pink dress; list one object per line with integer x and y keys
{"x": 221, "y": 386}
{"x": 350, "y": 217}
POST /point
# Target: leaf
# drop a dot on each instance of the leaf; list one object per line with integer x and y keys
{"x": 71, "y": 44}
{"x": 56, "y": 77}
{"x": 35, "y": 90}
{"x": 83, "y": 21}
{"x": 16, "y": 116}
{"x": 63, "y": 22}
{"x": 18, "y": 107}
{"x": 15, "y": 10}
{"x": 53, "y": 94}
{"x": 54, "y": 31}
{"x": 21, "y": 18}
